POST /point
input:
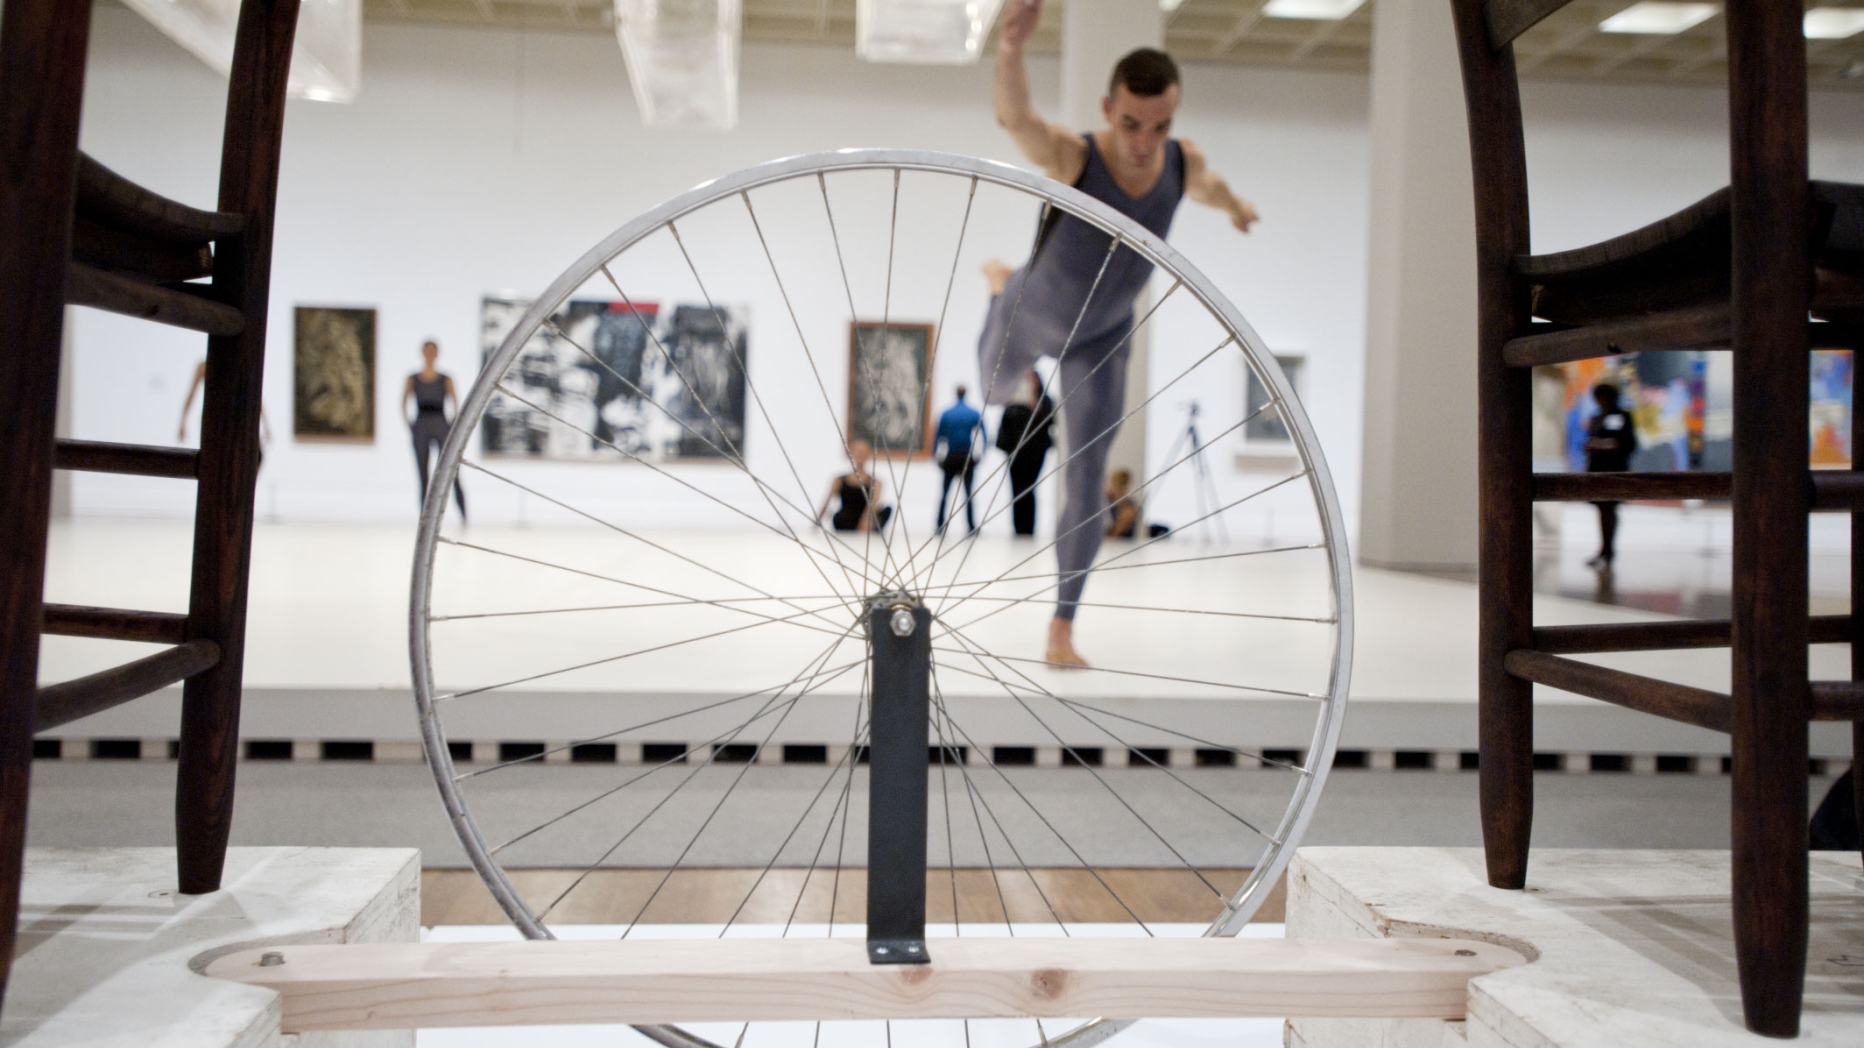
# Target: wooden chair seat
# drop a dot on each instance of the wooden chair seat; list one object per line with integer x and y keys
{"x": 1682, "y": 261}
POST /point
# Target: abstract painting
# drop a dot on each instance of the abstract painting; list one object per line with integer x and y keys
{"x": 889, "y": 388}
{"x": 1833, "y": 371}
{"x": 333, "y": 374}
{"x": 1666, "y": 395}
{"x": 606, "y": 380}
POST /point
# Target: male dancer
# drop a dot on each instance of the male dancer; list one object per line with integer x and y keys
{"x": 1134, "y": 166}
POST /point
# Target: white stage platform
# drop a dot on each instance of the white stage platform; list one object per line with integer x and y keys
{"x": 327, "y": 654}
{"x": 1630, "y": 948}
{"x": 106, "y": 945}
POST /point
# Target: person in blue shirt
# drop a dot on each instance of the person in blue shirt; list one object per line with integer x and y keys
{"x": 960, "y": 431}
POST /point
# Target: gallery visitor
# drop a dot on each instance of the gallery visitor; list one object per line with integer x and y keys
{"x": 431, "y": 390}
{"x": 1024, "y": 435}
{"x": 857, "y": 493}
{"x": 955, "y": 445}
{"x": 1073, "y": 301}
{"x": 1609, "y": 445}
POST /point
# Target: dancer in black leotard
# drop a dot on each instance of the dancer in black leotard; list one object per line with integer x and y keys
{"x": 1071, "y": 302}
{"x": 430, "y": 390}
{"x": 858, "y": 492}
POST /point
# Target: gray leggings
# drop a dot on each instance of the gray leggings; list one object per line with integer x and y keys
{"x": 1091, "y": 398}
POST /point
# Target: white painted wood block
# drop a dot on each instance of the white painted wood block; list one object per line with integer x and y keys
{"x": 1381, "y": 760}
{"x": 557, "y": 752}
{"x": 1446, "y": 760}
{"x": 1644, "y": 763}
{"x": 1183, "y": 757}
{"x": 1576, "y": 762}
{"x": 74, "y": 749}
{"x": 155, "y": 749}
{"x": 307, "y": 749}
{"x": 1115, "y": 757}
{"x": 770, "y": 753}
{"x": 1708, "y": 764}
{"x": 114, "y": 967}
{"x": 1048, "y": 756}
{"x": 485, "y": 752}
{"x": 1619, "y": 937}
{"x": 627, "y": 753}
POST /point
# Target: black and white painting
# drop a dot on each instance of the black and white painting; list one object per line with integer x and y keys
{"x": 610, "y": 380}
{"x": 889, "y": 393}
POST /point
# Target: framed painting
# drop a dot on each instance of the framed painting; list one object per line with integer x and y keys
{"x": 333, "y": 374}
{"x": 608, "y": 381}
{"x": 890, "y": 388}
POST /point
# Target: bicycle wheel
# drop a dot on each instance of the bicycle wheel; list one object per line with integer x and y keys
{"x": 691, "y": 363}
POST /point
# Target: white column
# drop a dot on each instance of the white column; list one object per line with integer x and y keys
{"x": 1418, "y": 492}
{"x": 1095, "y": 34}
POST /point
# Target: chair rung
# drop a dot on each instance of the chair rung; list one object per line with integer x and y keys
{"x": 142, "y": 460}
{"x": 1698, "y": 327}
{"x": 59, "y": 704}
{"x": 1677, "y": 702}
{"x": 90, "y": 286}
{"x": 1667, "y": 636}
{"x": 1838, "y": 489}
{"x": 113, "y": 200}
{"x": 140, "y": 257}
{"x": 77, "y": 620}
{"x": 1627, "y": 487}
{"x": 1838, "y": 700}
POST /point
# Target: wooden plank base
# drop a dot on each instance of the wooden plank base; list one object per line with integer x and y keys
{"x": 398, "y": 986}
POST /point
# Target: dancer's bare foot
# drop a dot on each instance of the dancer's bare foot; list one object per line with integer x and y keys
{"x": 1061, "y": 653}
{"x": 997, "y": 274}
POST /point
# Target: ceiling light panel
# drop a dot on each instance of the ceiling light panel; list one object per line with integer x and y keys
{"x": 326, "y": 54}
{"x": 682, "y": 60}
{"x": 1316, "y": 10}
{"x": 930, "y": 32}
{"x": 1652, "y": 18}
{"x": 1834, "y": 23}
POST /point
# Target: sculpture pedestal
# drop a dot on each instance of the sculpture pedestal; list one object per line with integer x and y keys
{"x": 1630, "y": 948}
{"x": 109, "y": 954}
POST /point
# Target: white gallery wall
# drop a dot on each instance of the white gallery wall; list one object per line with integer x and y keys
{"x": 480, "y": 162}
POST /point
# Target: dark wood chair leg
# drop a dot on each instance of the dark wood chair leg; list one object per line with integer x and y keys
{"x": 42, "y": 52}
{"x": 229, "y": 459}
{"x": 1771, "y": 698}
{"x": 1504, "y": 443}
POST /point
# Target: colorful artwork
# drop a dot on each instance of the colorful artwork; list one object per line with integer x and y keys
{"x": 1833, "y": 371}
{"x": 889, "y": 387}
{"x": 605, "y": 380}
{"x": 1666, "y": 394}
{"x": 333, "y": 374}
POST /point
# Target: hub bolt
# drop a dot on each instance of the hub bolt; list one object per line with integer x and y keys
{"x": 902, "y": 622}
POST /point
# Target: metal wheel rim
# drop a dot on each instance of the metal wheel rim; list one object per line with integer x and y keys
{"x": 1250, "y": 896}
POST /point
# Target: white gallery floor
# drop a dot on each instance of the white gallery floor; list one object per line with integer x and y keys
{"x": 329, "y": 619}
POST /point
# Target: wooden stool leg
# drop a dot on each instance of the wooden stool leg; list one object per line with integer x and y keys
{"x": 42, "y": 51}
{"x": 229, "y": 461}
{"x": 1770, "y": 204}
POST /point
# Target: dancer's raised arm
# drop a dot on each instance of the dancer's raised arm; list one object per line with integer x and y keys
{"x": 1208, "y": 188}
{"x": 1059, "y": 152}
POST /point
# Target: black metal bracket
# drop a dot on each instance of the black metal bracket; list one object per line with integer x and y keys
{"x": 899, "y": 633}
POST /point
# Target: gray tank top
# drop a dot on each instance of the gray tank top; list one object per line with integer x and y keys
{"x": 1069, "y": 252}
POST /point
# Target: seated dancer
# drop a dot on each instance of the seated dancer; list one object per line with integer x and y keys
{"x": 1133, "y": 165}
{"x": 859, "y": 493}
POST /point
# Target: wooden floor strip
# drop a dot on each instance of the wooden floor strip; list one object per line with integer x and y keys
{"x": 709, "y": 896}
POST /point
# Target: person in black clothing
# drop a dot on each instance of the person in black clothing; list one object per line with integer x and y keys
{"x": 858, "y": 491}
{"x": 1609, "y": 444}
{"x": 430, "y": 390}
{"x": 1024, "y": 435}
